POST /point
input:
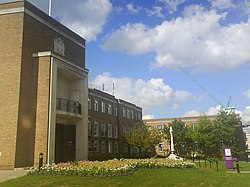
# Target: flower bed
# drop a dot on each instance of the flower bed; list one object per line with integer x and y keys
{"x": 109, "y": 168}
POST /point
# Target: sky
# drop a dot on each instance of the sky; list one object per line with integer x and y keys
{"x": 173, "y": 58}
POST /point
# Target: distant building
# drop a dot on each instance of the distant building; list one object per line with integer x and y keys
{"x": 109, "y": 119}
{"x": 164, "y": 148}
{"x": 43, "y": 89}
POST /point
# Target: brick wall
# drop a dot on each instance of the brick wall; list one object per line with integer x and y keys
{"x": 10, "y": 68}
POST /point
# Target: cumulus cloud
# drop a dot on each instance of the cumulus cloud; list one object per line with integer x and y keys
{"x": 156, "y": 11}
{"x": 247, "y": 93}
{"x": 136, "y": 39}
{"x": 88, "y": 17}
{"x": 132, "y": 9}
{"x": 211, "y": 111}
{"x": 196, "y": 40}
{"x": 147, "y": 94}
{"x": 222, "y": 4}
{"x": 173, "y": 4}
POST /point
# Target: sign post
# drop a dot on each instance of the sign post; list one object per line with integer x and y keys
{"x": 228, "y": 157}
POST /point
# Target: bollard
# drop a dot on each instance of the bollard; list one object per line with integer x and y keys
{"x": 199, "y": 162}
{"x": 210, "y": 164}
{"x": 40, "y": 161}
{"x": 237, "y": 166}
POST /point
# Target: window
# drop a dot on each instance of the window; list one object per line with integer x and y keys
{"x": 160, "y": 129}
{"x": 139, "y": 116}
{"x": 136, "y": 116}
{"x": 103, "y": 149}
{"x": 96, "y": 145}
{"x": 89, "y": 103}
{"x": 160, "y": 147}
{"x": 116, "y": 147}
{"x": 115, "y": 110}
{"x": 103, "y": 129}
{"x": 132, "y": 115}
{"x": 123, "y": 112}
{"x": 103, "y": 107}
{"x": 109, "y": 146}
{"x": 128, "y": 113}
{"x": 109, "y": 130}
{"x": 95, "y": 128}
{"x": 89, "y": 127}
{"x": 96, "y": 106}
{"x": 109, "y": 109}
{"x": 115, "y": 131}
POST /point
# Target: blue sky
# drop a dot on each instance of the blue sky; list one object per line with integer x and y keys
{"x": 171, "y": 57}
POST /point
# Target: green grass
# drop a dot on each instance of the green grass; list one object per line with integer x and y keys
{"x": 147, "y": 177}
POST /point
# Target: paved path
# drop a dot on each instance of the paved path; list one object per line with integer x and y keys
{"x": 11, "y": 174}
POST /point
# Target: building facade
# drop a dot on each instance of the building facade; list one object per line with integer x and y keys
{"x": 109, "y": 119}
{"x": 43, "y": 89}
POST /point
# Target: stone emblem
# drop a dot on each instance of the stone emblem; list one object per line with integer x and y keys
{"x": 59, "y": 46}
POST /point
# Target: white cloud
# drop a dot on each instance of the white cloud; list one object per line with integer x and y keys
{"x": 86, "y": 18}
{"x": 222, "y": 4}
{"x": 147, "y": 117}
{"x": 196, "y": 40}
{"x": 136, "y": 39}
{"x": 247, "y": 93}
{"x": 147, "y": 94}
{"x": 157, "y": 11}
{"x": 132, "y": 9}
{"x": 173, "y": 4}
{"x": 245, "y": 115}
{"x": 211, "y": 111}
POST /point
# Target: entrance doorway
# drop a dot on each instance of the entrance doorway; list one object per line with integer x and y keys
{"x": 65, "y": 143}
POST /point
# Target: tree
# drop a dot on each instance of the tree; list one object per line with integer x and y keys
{"x": 227, "y": 131}
{"x": 143, "y": 137}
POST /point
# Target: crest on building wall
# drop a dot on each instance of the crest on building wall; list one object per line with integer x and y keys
{"x": 59, "y": 46}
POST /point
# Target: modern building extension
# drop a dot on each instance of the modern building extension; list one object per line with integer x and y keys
{"x": 43, "y": 89}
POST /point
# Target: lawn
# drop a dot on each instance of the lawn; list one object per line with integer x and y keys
{"x": 146, "y": 177}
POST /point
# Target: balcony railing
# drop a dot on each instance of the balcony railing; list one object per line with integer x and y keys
{"x": 68, "y": 106}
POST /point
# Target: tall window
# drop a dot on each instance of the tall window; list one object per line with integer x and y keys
{"x": 128, "y": 113}
{"x": 103, "y": 148}
{"x": 96, "y": 105}
{"x": 89, "y": 127}
{"x": 109, "y": 146}
{"x": 115, "y": 110}
{"x": 109, "y": 109}
{"x": 96, "y": 145}
{"x": 115, "y": 146}
{"x": 115, "y": 131}
{"x": 89, "y": 103}
{"x": 103, "y": 107}
{"x": 103, "y": 129}
{"x": 132, "y": 115}
{"x": 109, "y": 130}
{"x": 95, "y": 128}
{"x": 123, "y": 112}
{"x": 160, "y": 147}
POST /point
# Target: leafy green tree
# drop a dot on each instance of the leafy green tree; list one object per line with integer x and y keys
{"x": 143, "y": 137}
{"x": 227, "y": 131}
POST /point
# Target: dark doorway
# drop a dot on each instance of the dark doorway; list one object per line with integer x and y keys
{"x": 65, "y": 143}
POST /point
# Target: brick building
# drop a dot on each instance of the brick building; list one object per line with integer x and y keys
{"x": 163, "y": 148}
{"x": 109, "y": 119}
{"x": 43, "y": 89}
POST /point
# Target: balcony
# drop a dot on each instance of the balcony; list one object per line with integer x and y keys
{"x": 69, "y": 106}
